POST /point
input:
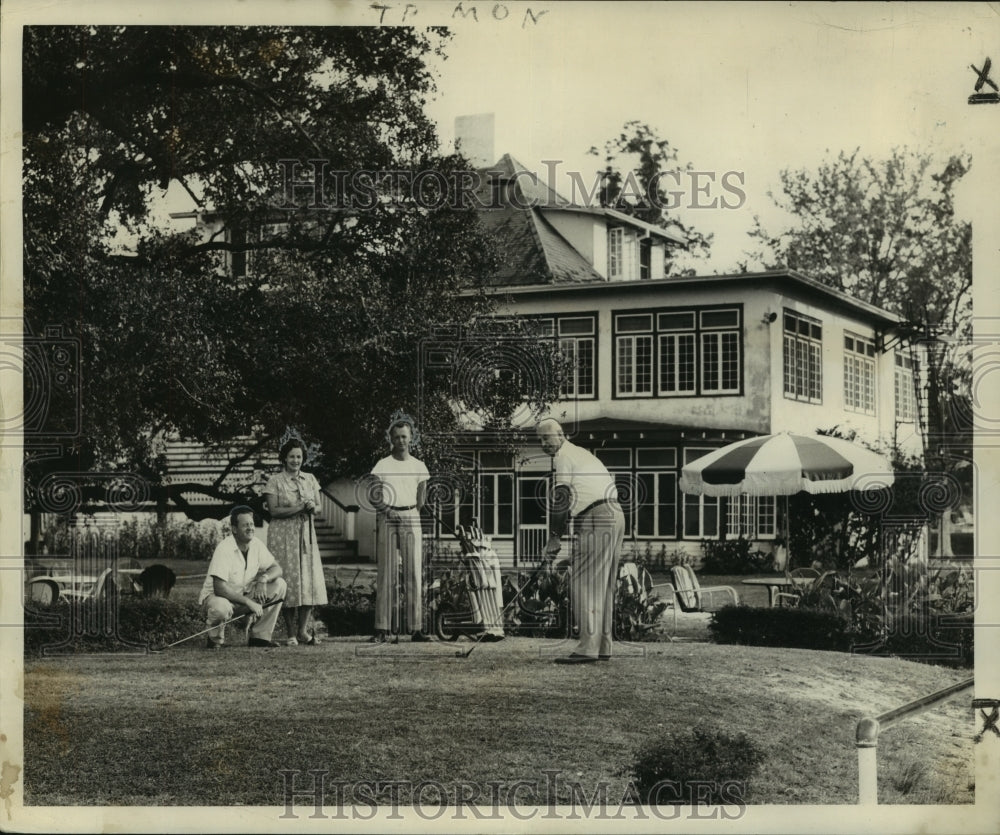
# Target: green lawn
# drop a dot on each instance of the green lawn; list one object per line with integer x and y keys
{"x": 189, "y": 727}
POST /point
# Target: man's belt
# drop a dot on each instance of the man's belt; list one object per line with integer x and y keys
{"x": 408, "y": 507}
{"x": 592, "y": 505}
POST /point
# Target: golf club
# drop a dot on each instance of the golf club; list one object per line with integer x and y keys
{"x": 209, "y": 629}
{"x": 544, "y": 564}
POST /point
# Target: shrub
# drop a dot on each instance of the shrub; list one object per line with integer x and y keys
{"x": 734, "y": 556}
{"x": 143, "y": 539}
{"x": 700, "y": 766}
{"x": 350, "y": 609}
{"x": 128, "y": 624}
{"x": 780, "y": 627}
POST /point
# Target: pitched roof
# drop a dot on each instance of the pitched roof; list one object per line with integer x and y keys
{"x": 532, "y": 251}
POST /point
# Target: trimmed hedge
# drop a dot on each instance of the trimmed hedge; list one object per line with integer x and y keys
{"x": 780, "y": 627}
{"x": 127, "y": 625}
{"x": 946, "y": 640}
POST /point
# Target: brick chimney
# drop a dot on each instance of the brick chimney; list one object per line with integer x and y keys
{"x": 474, "y": 139}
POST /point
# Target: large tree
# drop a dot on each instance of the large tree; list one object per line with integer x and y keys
{"x": 885, "y": 231}
{"x": 641, "y": 178}
{"x": 302, "y": 297}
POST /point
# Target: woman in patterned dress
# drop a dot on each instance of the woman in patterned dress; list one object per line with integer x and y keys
{"x": 292, "y": 498}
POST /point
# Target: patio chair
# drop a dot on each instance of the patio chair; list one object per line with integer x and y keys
{"x": 691, "y": 594}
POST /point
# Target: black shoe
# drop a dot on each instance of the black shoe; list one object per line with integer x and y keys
{"x": 378, "y": 638}
{"x": 211, "y": 643}
{"x": 603, "y": 657}
{"x": 491, "y": 638}
{"x": 261, "y": 642}
{"x": 419, "y": 636}
{"x": 575, "y": 659}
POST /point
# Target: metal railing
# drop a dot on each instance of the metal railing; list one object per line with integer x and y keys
{"x": 866, "y": 736}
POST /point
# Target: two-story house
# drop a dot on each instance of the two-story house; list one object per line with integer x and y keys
{"x": 667, "y": 369}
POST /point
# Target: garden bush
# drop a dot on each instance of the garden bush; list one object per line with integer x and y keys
{"x": 734, "y": 556}
{"x": 143, "y": 539}
{"x": 933, "y": 639}
{"x": 350, "y": 609}
{"x": 780, "y": 627}
{"x": 700, "y": 766}
{"x": 109, "y": 625}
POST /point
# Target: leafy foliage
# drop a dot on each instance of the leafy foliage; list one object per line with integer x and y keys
{"x": 699, "y": 766}
{"x": 885, "y": 231}
{"x": 125, "y": 624}
{"x": 349, "y": 610}
{"x": 734, "y": 556}
{"x": 287, "y": 305}
{"x": 143, "y": 539}
{"x": 801, "y": 628}
{"x": 632, "y": 182}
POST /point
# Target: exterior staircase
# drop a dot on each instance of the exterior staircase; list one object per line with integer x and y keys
{"x": 335, "y": 531}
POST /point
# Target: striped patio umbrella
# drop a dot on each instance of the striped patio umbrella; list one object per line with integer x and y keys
{"x": 784, "y": 464}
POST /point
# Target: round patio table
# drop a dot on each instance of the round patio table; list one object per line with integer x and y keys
{"x": 776, "y": 584}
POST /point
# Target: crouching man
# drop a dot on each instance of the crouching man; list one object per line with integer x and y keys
{"x": 243, "y": 578}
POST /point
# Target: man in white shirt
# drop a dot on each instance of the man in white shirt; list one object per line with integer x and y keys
{"x": 243, "y": 578}
{"x": 399, "y": 495}
{"x": 585, "y": 490}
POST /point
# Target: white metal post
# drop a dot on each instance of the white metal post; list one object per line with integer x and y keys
{"x": 867, "y": 745}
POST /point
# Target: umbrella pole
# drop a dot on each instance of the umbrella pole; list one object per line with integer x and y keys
{"x": 788, "y": 534}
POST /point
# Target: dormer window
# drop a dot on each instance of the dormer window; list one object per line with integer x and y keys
{"x": 623, "y": 254}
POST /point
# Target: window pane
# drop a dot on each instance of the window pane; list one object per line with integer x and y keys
{"x": 631, "y": 324}
{"x": 710, "y": 513}
{"x": 644, "y": 365}
{"x": 612, "y": 458}
{"x": 645, "y": 501}
{"x": 664, "y": 458}
{"x": 675, "y": 321}
{"x": 710, "y": 361}
{"x": 730, "y": 362}
{"x": 720, "y": 318}
{"x": 666, "y": 506}
{"x": 494, "y": 461}
{"x": 577, "y": 326}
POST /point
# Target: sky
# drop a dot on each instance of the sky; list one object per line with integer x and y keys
{"x": 741, "y": 87}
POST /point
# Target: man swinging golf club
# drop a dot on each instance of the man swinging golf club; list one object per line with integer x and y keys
{"x": 584, "y": 489}
{"x": 243, "y": 578}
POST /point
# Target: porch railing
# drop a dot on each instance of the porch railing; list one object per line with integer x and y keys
{"x": 866, "y": 736}
{"x": 342, "y": 517}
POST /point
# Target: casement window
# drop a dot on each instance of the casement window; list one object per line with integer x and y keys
{"x": 859, "y": 374}
{"x": 496, "y": 503}
{"x": 720, "y": 351}
{"x": 647, "y": 489}
{"x": 484, "y": 496}
{"x": 634, "y": 355}
{"x": 625, "y": 255}
{"x": 802, "y": 357}
{"x": 616, "y": 247}
{"x": 752, "y": 517}
{"x": 697, "y": 351}
{"x": 701, "y": 513}
{"x": 904, "y": 384}
{"x": 577, "y": 339}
